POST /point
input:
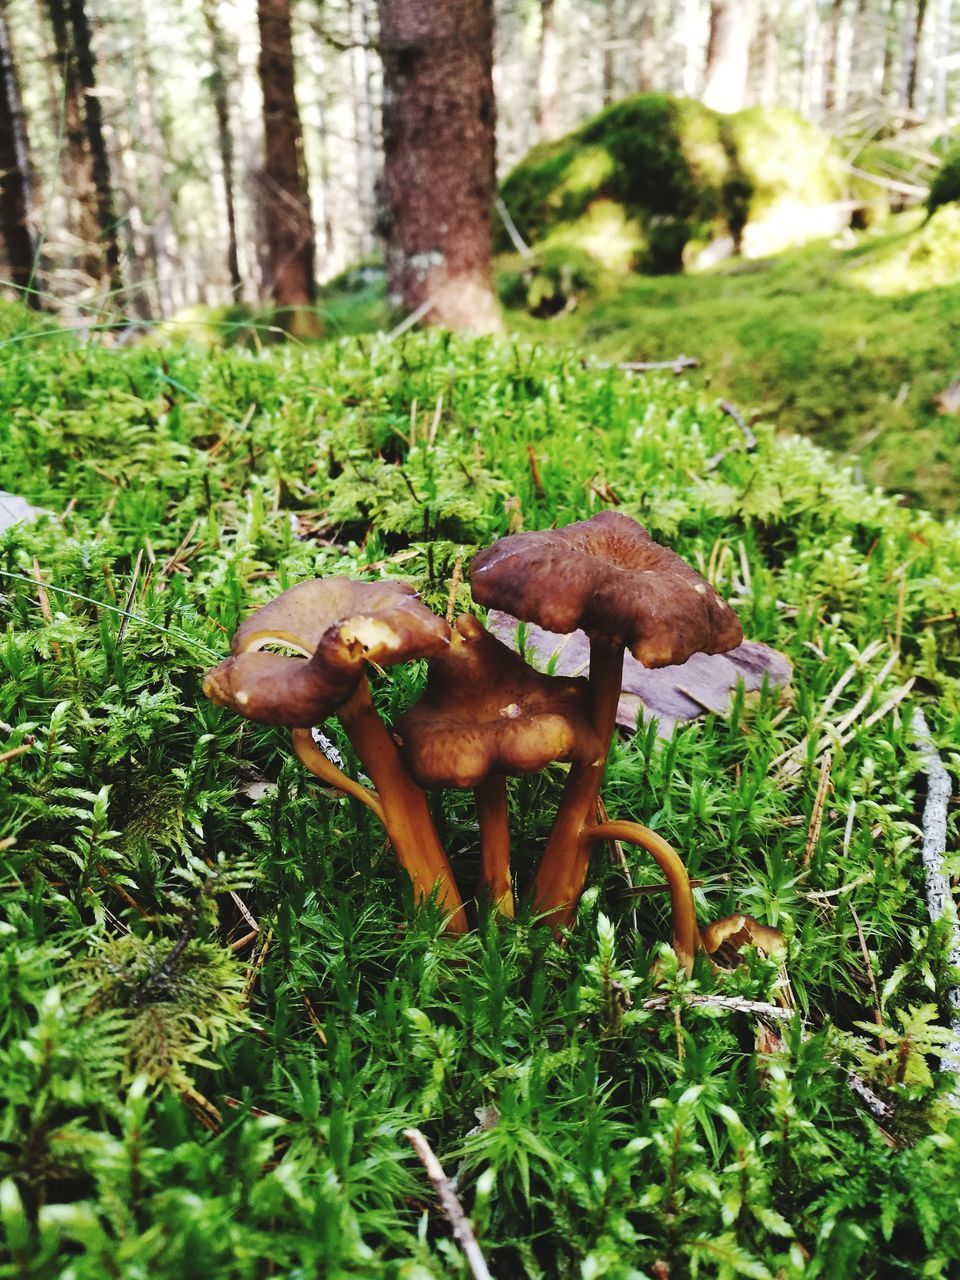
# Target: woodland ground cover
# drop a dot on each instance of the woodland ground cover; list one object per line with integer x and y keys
{"x": 220, "y": 1008}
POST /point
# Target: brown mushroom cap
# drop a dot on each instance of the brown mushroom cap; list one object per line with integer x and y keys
{"x": 484, "y": 711}
{"x": 339, "y": 625}
{"x": 607, "y": 576}
{"x": 724, "y": 939}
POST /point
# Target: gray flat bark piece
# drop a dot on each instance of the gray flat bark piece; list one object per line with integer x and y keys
{"x": 704, "y": 683}
{"x": 14, "y": 510}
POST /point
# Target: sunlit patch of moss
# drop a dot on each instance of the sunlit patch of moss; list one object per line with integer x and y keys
{"x": 604, "y": 232}
{"x": 586, "y": 172}
{"x": 919, "y": 257}
{"x": 945, "y": 187}
{"x": 800, "y": 340}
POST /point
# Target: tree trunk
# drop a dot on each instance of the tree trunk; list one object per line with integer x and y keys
{"x": 769, "y": 89}
{"x": 646, "y": 50}
{"x": 609, "y": 89}
{"x": 78, "y": 172}
{"x": 289, "y": 222}
{"x": 439, "y": 176}
{"x": 891, "y": 40}
{"x": 728, "y": 54}
{"x": 15, "y": 190}
{"x": 941, "y": 50}
{"x": 221, "y": 105}
{"x": 548, "y": 74}
{"x": 912, "y": 52}
{"x": 831, "y": 67}
{"x": 99, "y": 162}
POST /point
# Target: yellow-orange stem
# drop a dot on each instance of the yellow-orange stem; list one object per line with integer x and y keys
{"x": 406, "y": 815}
{"x": 563, "y": 868}
{"x": 312, "y": 758}
{"x": 686, "y": 935}
{"x": 495, "y": 879}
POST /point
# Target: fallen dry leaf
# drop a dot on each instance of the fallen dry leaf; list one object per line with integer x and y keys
{"x": 706, "y": 682}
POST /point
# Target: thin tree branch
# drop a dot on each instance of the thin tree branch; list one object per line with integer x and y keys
{"x": 450, "y": 1203}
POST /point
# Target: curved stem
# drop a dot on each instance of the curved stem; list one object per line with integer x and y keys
{"x": 686, "y": 935}
{"x": 495, "y": 881}
{"x": 563, "y": 868}
{"x": 312, "y": 758}
{"x": 406, "y": 815}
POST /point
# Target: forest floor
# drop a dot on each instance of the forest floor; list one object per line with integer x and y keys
{"x": 847, "y": 342}
{"x": 220, "y": 1007}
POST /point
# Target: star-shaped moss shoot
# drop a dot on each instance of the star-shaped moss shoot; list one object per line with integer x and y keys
{"x": 609, "y": 578}
{"x": 485, "y": 715}
{"x": 337, "y": 627}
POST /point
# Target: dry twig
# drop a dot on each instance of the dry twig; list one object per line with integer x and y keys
{"x": 450, "y": 1203}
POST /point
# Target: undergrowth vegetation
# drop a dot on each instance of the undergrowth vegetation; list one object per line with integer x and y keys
{"x": 220, "y": 1006}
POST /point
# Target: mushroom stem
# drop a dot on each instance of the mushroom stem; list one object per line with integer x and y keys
{"x": 495, "y": 880}
{"x": 406, "y": 815}
{"x": 686, "y": 935}
{"x": 563, "y": 868}
{"x": 312, "y": 758}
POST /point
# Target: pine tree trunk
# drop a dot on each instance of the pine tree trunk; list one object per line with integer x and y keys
{"x": 548, "y": 74}
{"x": 439, "y": 176}
{"x": 912, "y": 53}
{"x": 78, "y": 170}
{"x": 769, "y": 90}
{"x": 831, "y": 66}
{"x": 728, "y": 54}
{"x": 891, "y": 40}
{"x": 221, "y": 106}
{"x": 15, "y": 193}
{"x": 99, "y": 162}
{"x": 646, "y": 50}
{"x": 289, "y": 221}
{"x": 941, "y": 51}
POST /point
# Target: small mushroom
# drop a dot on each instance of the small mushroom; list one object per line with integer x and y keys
{"x": 724, "y": 939}
{"x": 609, "y": 578}
{"x": 339, "y": 626}
{"x": 484, "y": 715}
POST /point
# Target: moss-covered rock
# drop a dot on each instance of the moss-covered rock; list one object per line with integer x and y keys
{"x": 554, "y": 279}
{"x": 652, "y": 180}
{"x": 630, "y": 187}
{"x": 945, "y": 188}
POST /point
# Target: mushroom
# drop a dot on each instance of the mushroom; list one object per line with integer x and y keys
{"x": 724, "y": 939}
{"x": 485, "y": 714}
{"x": 608, "y": 577}
{"x": 339, "y": 625}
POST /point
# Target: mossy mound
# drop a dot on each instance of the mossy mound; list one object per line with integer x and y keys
{"x": 652, "y": 180}
{"x": 924, "y": 257}
{"x": 945, "y": 188}
{"x": 631, "y": 187}
{"x": 553, "y": 279}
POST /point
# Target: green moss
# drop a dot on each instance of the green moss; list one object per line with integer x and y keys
{"x": 945, "y": 188}
{"x": 672, "y": 176}
{"x": 557, "y": 278}
{"x": 808, "y": 343}
{"x": 650, "y": 161}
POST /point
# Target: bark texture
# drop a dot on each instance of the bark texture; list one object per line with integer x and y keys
{"x": 728, "y": 54}
{"x": 548, "y": 74}
{"x": 439, "y": 178}
{"x": 220, "y": 56}
{"x": 14, "y": 171}
{"x": 289, "y": 222}
{"x": 106, "y": 216}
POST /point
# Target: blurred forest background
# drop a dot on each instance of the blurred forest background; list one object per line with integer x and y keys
{"x": 132, "y": 136}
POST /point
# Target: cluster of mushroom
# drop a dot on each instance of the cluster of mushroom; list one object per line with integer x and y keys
{"x": 485, "y": 714}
